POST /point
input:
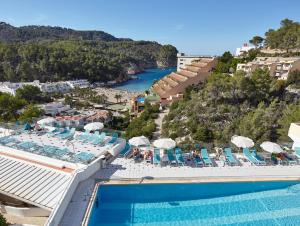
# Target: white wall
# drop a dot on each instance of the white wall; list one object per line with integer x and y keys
{"x": 26, "y": 212}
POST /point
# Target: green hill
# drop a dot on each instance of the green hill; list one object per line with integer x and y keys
{"x": 54, "y": 53}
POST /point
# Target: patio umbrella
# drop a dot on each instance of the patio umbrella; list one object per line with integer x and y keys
{"x": 94, "y": 126}
{"x": 271, "y": 147}
{"x": 46, "y": 121}
{"x": 242, "y": 142}
{"x": 164, "y": 143}
{"x": 139, "y": 141}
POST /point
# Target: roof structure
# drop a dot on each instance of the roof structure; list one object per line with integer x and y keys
{"x": 33, "y": 183}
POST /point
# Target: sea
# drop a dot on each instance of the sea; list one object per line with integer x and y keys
{"x": 144, "y": 80}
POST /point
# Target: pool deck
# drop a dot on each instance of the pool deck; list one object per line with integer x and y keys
{"x": 125, "y": 171}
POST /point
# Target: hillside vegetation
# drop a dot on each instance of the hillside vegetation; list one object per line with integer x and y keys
{"x": 54, "y": 53}
{"x": 258, "y": 106}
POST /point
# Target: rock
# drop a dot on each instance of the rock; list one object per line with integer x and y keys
{"x": 133, "y": 69}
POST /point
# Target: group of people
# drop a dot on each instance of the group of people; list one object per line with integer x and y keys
{"x": 137, "y": 154}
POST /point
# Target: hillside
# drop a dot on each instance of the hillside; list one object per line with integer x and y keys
{"x": 54, "y": 53}
{"x": 9, "y": 33}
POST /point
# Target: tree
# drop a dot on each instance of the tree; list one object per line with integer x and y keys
{"x": 30, "y": 93}
{"x": 287, "y": 37}
{"x": 118, "y": 97}
{"x": 256, "y": 41}
{"x": 290, "y": 114}
{"x": 30, "y": 113}
{"x": 10, "y": 107}
{"x": 293, "y": 78}
{"x": 3, "y": 221}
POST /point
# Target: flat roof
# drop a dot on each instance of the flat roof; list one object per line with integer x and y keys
{"x": 32, "y": 183}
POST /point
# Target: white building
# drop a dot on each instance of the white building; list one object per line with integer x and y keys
{"x": 48, "y": 87}
{"x": 278, "y": 66}
{"x": 244, "y": 49}
{"x": 80, "y": 83}
{"x": 46, "y": 180}
{"x": 184, "y": 60}
{"x": 11, "y": 88}
{"x": 56, "y": 108}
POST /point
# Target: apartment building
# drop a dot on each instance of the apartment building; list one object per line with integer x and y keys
{"x": 278, "y": 66}
{"x": 48, "y": 87}
{"x": 184, "y": 60}
{"x": 172, "y": 86}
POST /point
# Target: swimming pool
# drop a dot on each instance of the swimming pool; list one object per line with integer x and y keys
{"x": 238, "y": 203}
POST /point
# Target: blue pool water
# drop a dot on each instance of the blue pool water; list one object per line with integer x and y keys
{"x": 241, "y": 203}
{"x": 145, "y": 79}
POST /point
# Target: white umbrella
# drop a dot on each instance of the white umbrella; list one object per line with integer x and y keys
{"x": 139, "y": 141}
{"x": 47, "y": 121}
{"x": 271, "y": 147}
{"x": 165, "y": 143}
{"x": 242, "y": 142}
{"x": 94, "y": 126}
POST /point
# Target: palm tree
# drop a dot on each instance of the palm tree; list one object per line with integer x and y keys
{"x": 117, "y": 97}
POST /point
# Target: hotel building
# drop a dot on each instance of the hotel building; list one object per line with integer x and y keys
{"x": 190, "y": 71}
{"x": 278, "y": 66}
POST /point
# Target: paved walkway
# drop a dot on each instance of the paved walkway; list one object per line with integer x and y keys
{"x": 124, "y": 168}
{"x": 158, "y": 122}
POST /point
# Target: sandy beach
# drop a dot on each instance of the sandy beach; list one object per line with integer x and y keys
{"x": 126, "y": 96}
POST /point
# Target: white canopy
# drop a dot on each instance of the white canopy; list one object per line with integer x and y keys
{"x": 271, "y": 147}
{"x": 139, "y": 141}
{"x": 47, "y": 121}
{"x": 94, "y": 126}
{"x": 165, "y": 143}
{"x": 242, "y": 142}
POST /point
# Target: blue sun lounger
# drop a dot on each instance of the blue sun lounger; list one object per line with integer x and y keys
{"x": 156, "y": 156}
{"x": 206, "y": 158}
{"x": 68, "y": 134}
{"x": 198, "y": 161}
{"x": 229, "y": 157}
{"x": 179, "y": 157}
{"x": 114, "y": 138}
{"x": 171, "y": 157}
{"x": 99, "y": 139}
{"x": 252, "y": 157}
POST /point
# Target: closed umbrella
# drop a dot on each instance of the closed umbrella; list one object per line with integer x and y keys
{"x": 46, "y": 121}
{"x": 242, "y": 142}
{"x": 139, "y": 141}
{"x": 271, "y": 147}
{"x": 94, "y": 126}
{"x": 164, "y": 143}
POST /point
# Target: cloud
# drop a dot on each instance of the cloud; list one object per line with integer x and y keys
{"x": 179, "y": 27}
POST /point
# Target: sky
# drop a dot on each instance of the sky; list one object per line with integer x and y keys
{"x": 192, "y": 26}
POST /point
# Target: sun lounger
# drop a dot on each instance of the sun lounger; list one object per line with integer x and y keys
{"x": 114, "y": 138}
{"x": 178, "y": 151}
{"x": 297, "y": 152}
{"x": 230, "y": 159}
{"x": 171, "y": 156}
{"x": 83, "y": 136}
{"x": 68, "y": 134}
{"x": 99, "y": 139}
{"x": 180, "y": 159}
{"x": 290, "y": 160}
{"x": 84, "y": 157}
{"x": 198, "y": 161}
{"x": 258, "y": 157}
{"x": 206, "y": 158}
{"x": 156, "y": 157}
{"x": 252, "y": 157}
